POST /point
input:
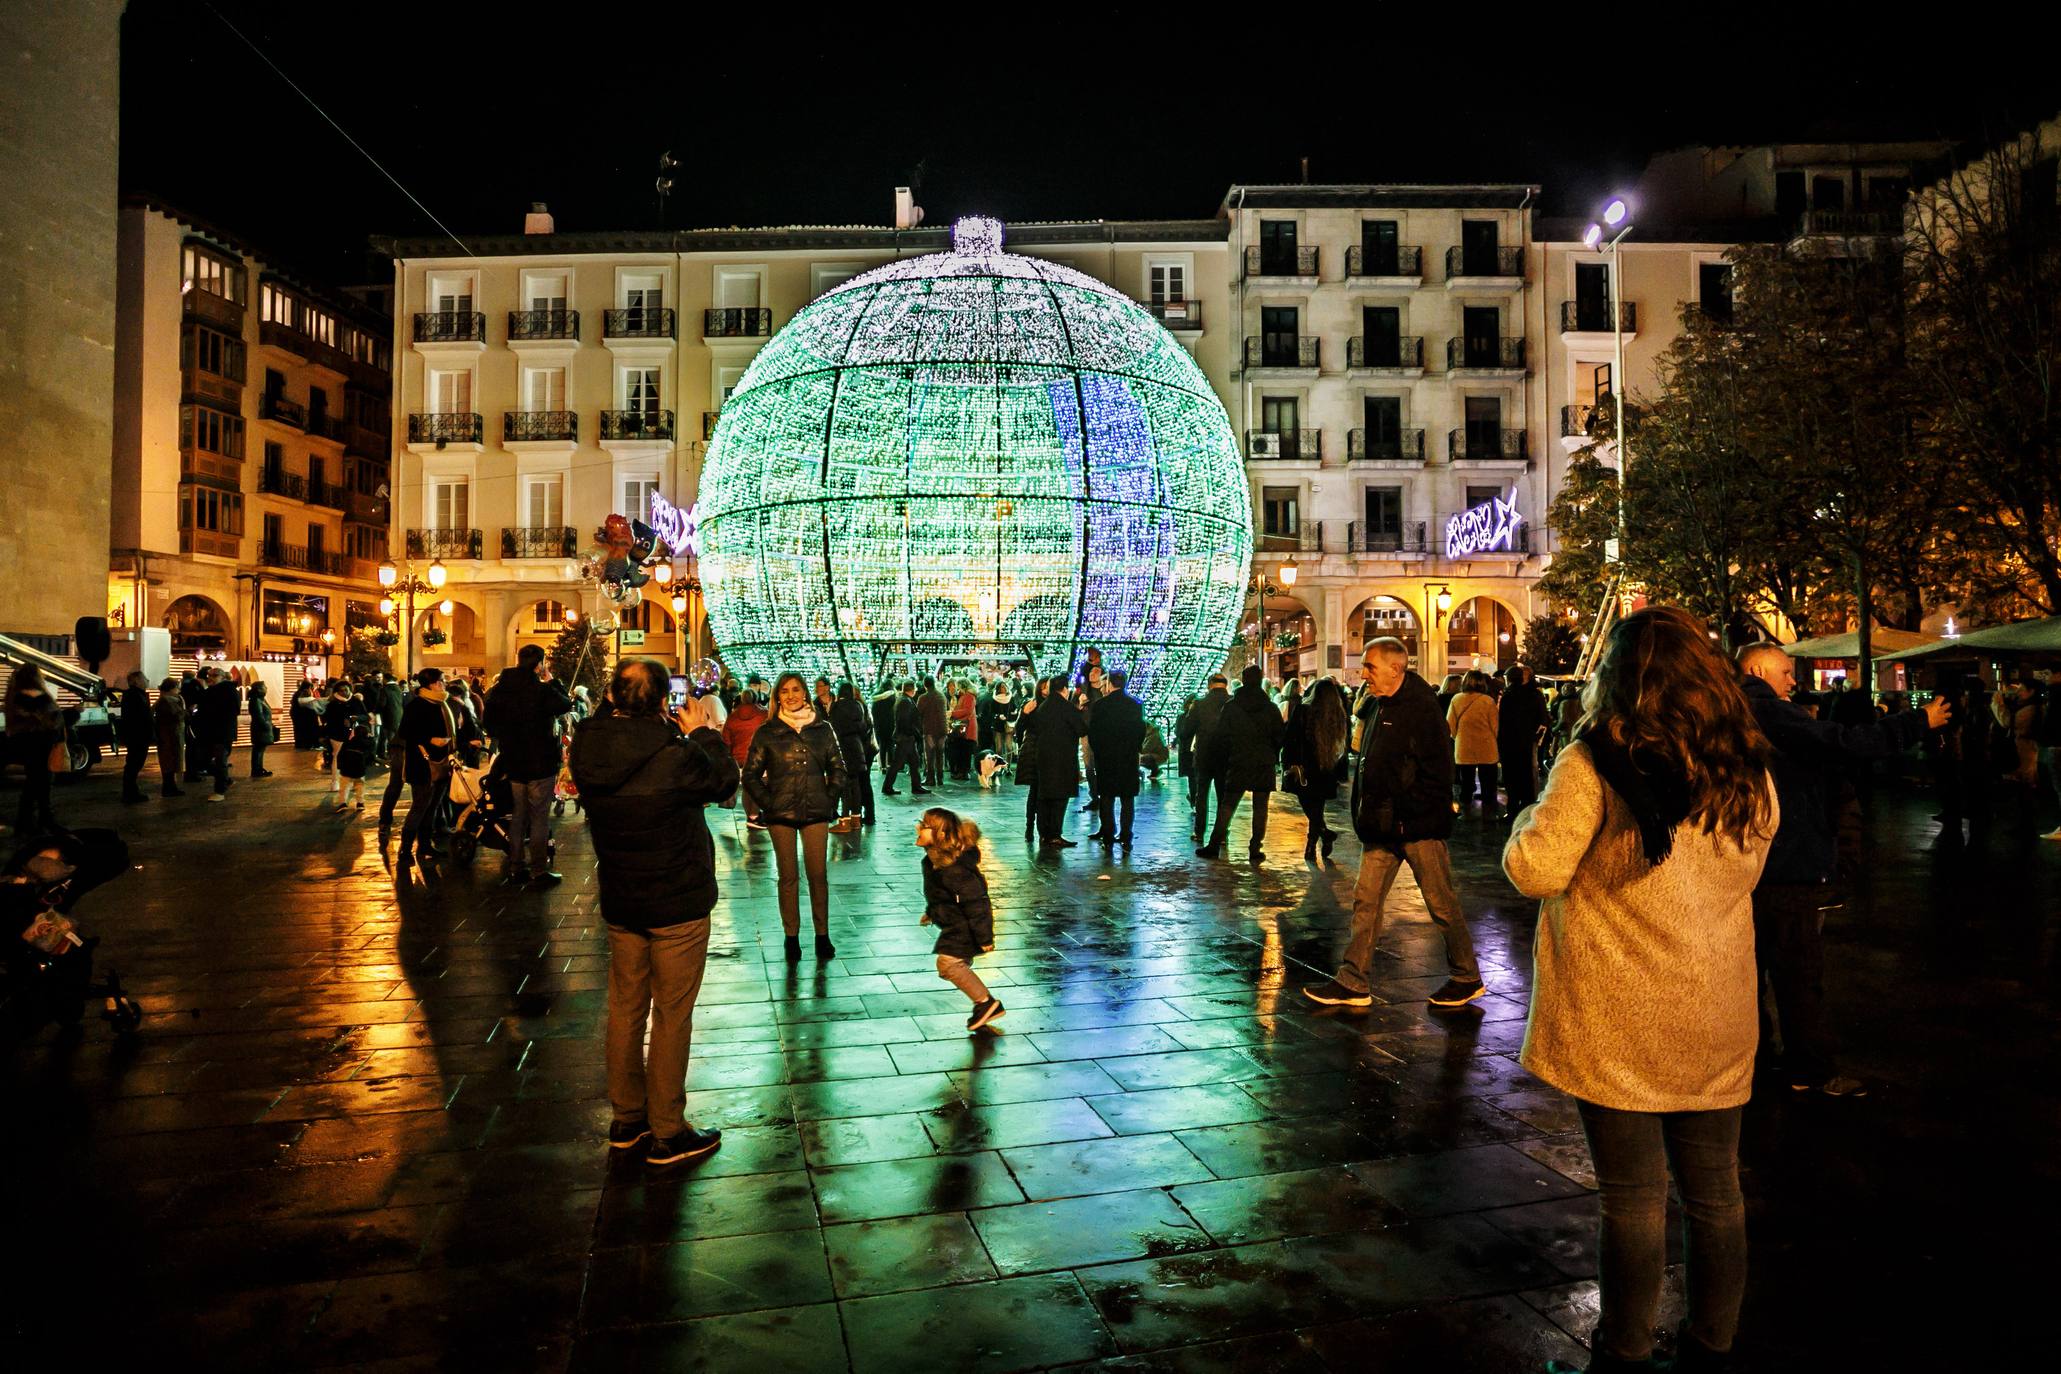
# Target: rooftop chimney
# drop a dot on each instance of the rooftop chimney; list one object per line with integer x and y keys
{"x": 908, "y": 214}
{"x": 538, "y": 220}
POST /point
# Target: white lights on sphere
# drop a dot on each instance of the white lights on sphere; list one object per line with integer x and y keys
{"x": 970, "y": 457}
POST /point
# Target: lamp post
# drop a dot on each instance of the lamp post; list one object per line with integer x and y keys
{"x": 1262, "y": 589}
{"x": 1439, "y": 603}
{"x": 404, "y": 581}
{"x": 685, "y": 594}
{"x": 1616, "y": 215}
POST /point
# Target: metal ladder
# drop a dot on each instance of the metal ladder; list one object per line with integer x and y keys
{"x": 1606, "y": 616}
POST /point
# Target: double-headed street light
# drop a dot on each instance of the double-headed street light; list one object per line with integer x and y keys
{"x": 404, "y": 581}
{"x": 684, "y": 593}
{"x": 1617, "y": 215}
{"x": 1262, "y": 589}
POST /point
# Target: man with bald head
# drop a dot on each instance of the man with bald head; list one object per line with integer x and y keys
{"x": 1789, "y": 905}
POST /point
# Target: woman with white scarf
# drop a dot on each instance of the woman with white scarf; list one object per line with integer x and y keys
{"x": 794, "y": 774}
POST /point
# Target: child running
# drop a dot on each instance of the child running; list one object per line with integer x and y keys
{"x": 353, "y": 756}
{"x": 955, "y": 898}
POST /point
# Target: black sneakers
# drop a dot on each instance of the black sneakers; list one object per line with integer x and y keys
{"x": 1454, "y": 993}
{"x": 824, "y": 949}
{"x": 623, "y": 1134}
{"x": 1337, "y": 994}
{"x": 688, "y": 1144}
{"x": 984, "y": 1012}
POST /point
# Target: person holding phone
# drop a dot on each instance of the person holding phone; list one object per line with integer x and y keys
{"x": 522, "y": 713}
{"x": 794, "y": 775}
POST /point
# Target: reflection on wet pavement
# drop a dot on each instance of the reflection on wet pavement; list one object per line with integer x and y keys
{"x": 362, "y": 1124}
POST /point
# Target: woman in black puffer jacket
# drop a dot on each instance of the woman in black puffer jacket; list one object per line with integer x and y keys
{"x": 794, "y": 775}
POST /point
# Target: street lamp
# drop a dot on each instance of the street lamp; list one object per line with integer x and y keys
{"x": 404, "y": 581}
{"x": 1263, "y": 588}
{"x": 684, "y": 592}
{"x": 1617, "y": 215}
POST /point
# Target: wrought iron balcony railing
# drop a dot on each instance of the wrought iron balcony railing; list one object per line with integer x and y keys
{"x": 451, "y": 326}
{"x": 1264, "y": 351}
{"x": 1177, "y": 314}
{"x": 637, "y": 322}
{"x": 736, "y": 323}
{"x": 432, "y": 543}
{"x": 1593, "y": 317}
{"x": 547, "y": 541}
{"x": 301, "y": 558}
{"x": 1401, "y": 260}
{"x": 1291, "y": 262}
{"x": 1853, "y": 224}
{"x": 520, "y": 426}
{"x": 1484, "y": 262}
{"x": 1392, "y": 446}
{"x": 1303, "y": 444}
{"x": 1398, "y": 351}
{"x": 275, "y": 407}
{"x": 1405, "y": 536}
{"x": 279, "y": 482}
{"x": 543, "y": 324}
{"x": 1576, "y": 421}
{"x": 637, "y": 424}
{"x": 325, "y": 426}
{"x": 1481, "y": 444}
{"x": 1481, "y": 352}
{"x": 446, "y": 427}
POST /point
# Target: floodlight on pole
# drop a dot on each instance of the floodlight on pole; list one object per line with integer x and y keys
{"x": 1614, "y": 213}
{"x": 1592, "y": 236}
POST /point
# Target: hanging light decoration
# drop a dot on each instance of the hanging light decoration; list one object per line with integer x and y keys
{"x": 975, "y": 456}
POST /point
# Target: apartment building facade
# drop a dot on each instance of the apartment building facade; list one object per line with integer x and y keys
{"x": 251, "y": 449}
{"x": 556, "y": 379}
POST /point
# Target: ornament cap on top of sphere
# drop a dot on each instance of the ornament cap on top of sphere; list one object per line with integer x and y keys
{"x": 976, "y": 236}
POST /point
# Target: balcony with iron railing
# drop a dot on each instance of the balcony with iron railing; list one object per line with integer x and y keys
{"x": 641, "y": 425}
{"x": 1293, "y": 351}
{"x": 1593, "y": 317}
{"x": 1398, "y": 353}
{"x": 737, "y": 323}
{"x": 1389, "y": 446}
{"x": 301, "y": 558}
{"x": 1304, "y": 445}
{"x": 323, "y": 425}
{"x": 1852, "y": 224}
{"x": 1177, "y": 315}
{"x": 451, "y": 326}
{"x": 1484, "y": 353}
{"x": 1479, "y": 264}
{"x": 444, "y": 543}
{"x": 539, "y": 426}
{"x": 1577, "y": 422}
{"x": 446, "y": 427}
{"x": 547, "y": 541}
{"x": 531, "y": 326}
{"x": 637, "y": 322}
{"x": 276, "y": 481}
{"x": 272, "y": 406}
{"x": 1308, "y": 537}
{"x": 1396, "y": 537}
{"x": 1399, "y": 260}
{"x": 1261, "y": 261}
{"x": 1485, "y": 444}
{"x": 301, "y": 344}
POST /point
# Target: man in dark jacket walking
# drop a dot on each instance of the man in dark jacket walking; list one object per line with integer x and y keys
{"x": 1056, "y": 761}
{"x": 191, "y": 689}
{"x": 1242, "y": 751}
{"x": 428, "y": 733}
{"x": 139, "y": 728}
{"x": 908, "y": 745}
{"x": 882, "y": 708}
{"x": 1116, "y": 730}
{"x": 1811, "y": 757}
{"x": 1200, "y": 726}
{"x": 644, "y": 779}
{"x": 1402, "y": 807}
{"x": 522, "y": 715}
{"x": 220, "y": 705}
{"x": 1520, "y": 724}
{"x": 930, "y": 714}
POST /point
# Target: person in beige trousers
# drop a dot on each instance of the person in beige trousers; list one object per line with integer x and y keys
{"x": 1645, "y": 848}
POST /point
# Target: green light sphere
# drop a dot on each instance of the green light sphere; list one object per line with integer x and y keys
{"x": 975, "y": 457}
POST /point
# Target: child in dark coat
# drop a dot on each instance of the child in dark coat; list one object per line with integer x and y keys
{"x": 955, "y": 900}
{"x": 353, "y": 756}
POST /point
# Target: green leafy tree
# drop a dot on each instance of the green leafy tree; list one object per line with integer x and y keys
{"x": 1552, "y": 644}
{"x": 1583, "y": 517}
{"x": 363, "y": 654}
{"x": 581, "y": 657}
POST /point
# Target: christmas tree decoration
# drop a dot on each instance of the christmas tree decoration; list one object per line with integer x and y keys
{"x": 969, "y": 457}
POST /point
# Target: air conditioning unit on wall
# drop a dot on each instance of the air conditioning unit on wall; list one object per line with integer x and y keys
{"x": 1266, "y": 446}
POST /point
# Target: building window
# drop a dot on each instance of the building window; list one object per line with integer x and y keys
{"x": 1714, "y": 290}
{"x": 450, "y": 504}
{"x": 211, "y": 430}
{"x": 213, "y": 273}
{"x": 1279, "y": 504}
{"x": 1384, "y": 515}
{"x": 543, "y": 388}
{"x": 1481, "y": 496}
{"x": 206, "y": 508}
{"x": 1278, "y": 414}
{"x": 640, "y": 389}
{"x": 211, "y": 351}
{"x": 1166, "y": 281}
{"x": 545, "y": 290}
{"x": 828, "y": 276}
{"x": 1828, "y": 193}
{"x": 1280, "y": 329}
{"x": 637, "y": 496}
{"x": 450, "y": 393}
{"x": 543, "y": 500}
{"x": 1277, "y": 248}
{"x": 450, "y": 294}
{"x": 643, "y": 292}
{"x": 295, "y": 613}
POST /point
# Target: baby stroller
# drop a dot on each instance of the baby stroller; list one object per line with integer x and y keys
{"x": 485, "y": 800}
{"x": 48, "y": 970}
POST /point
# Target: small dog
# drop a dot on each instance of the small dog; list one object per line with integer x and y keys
{"x": 990, "y": 766}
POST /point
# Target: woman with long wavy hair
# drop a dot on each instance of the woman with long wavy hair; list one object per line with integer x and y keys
{"x": 1645, "y": 848}
{"x": 1314, "y": 744}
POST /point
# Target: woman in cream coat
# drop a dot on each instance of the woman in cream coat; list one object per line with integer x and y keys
{"x": 1645, "y": 847}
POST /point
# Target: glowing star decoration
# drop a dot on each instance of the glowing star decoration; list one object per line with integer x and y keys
{"x": 675, "y": 527}
{"x": 974, "y": 457}
{"x": 1490, "y": 526}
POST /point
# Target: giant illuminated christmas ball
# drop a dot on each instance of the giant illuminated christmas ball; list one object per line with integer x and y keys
{"x": 975, "y": 457}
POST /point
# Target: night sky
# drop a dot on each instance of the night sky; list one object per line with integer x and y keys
{"x": 1137, "y": 114}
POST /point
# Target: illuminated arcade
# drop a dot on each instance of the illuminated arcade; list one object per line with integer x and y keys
{"x": 975, "y": 457}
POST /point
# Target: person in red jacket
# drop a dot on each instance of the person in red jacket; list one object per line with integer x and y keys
{"x": 745, "y": 719}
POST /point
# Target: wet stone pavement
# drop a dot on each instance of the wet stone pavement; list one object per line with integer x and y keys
{"x": 362, "y": 1125}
